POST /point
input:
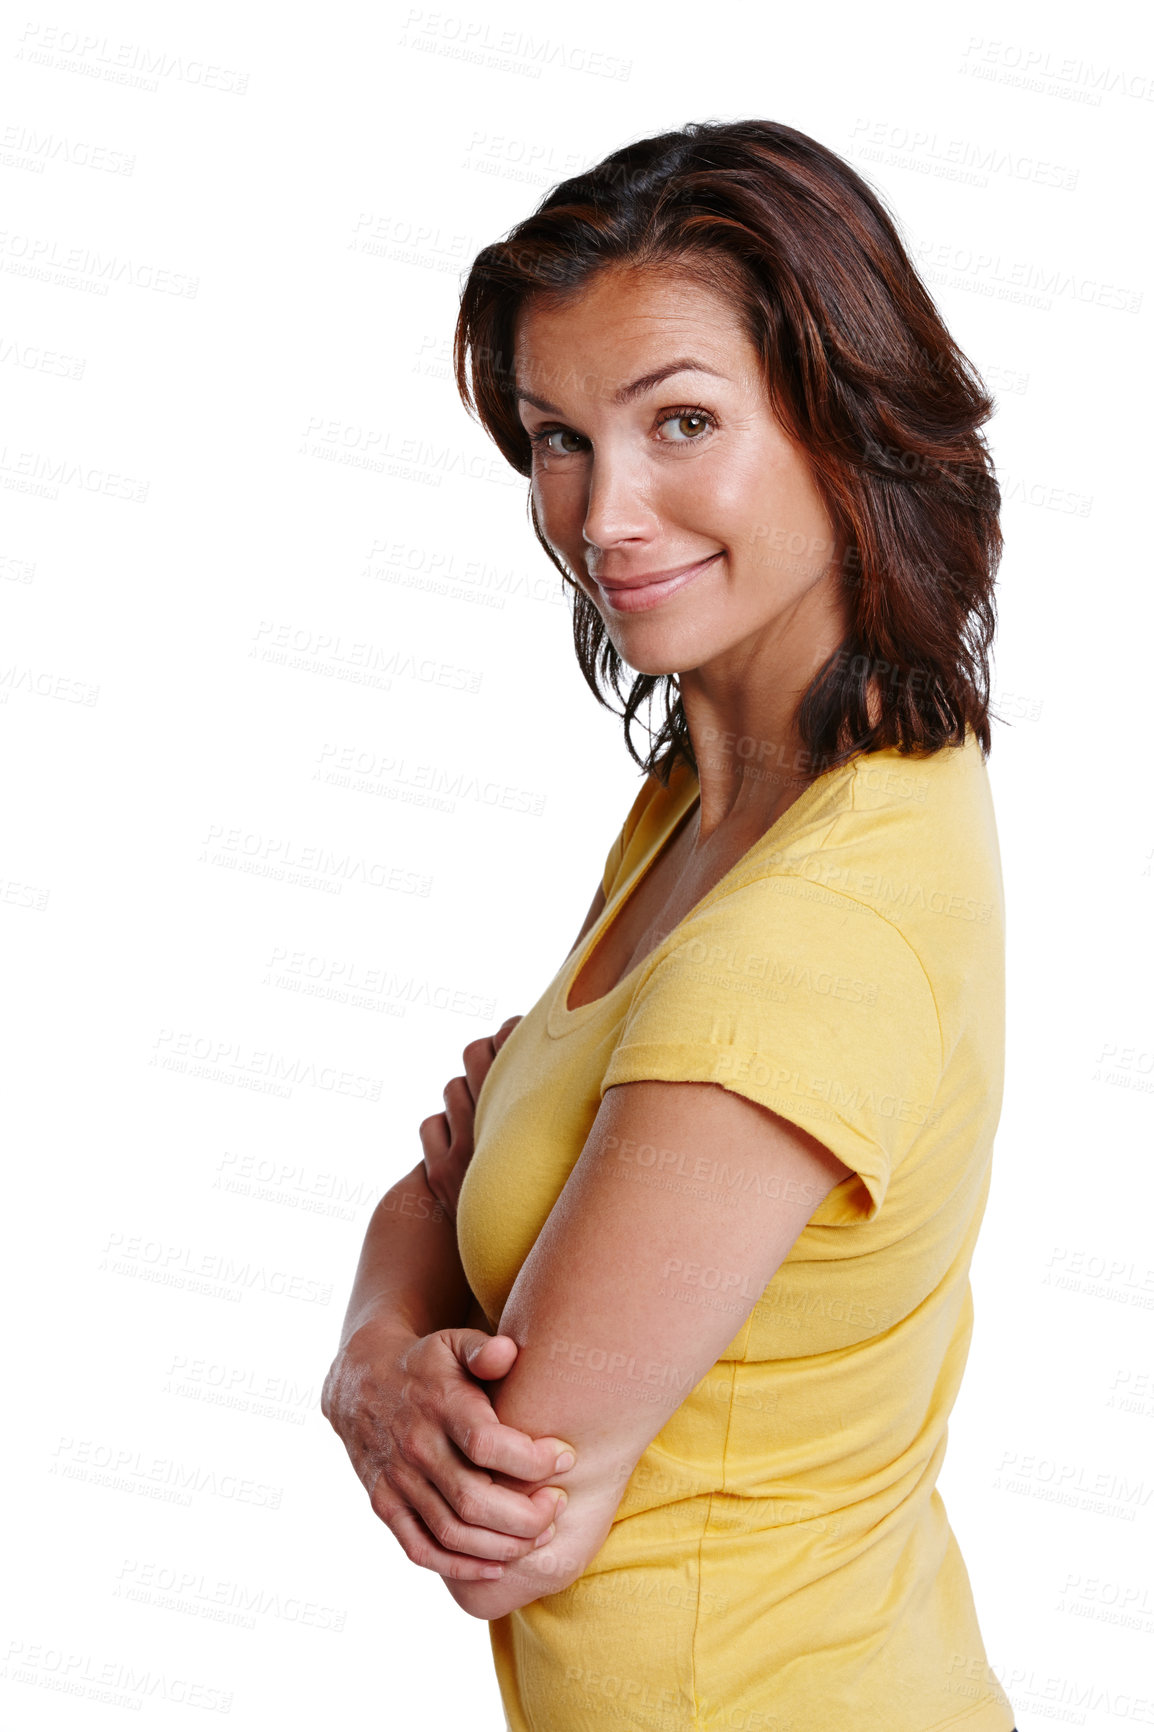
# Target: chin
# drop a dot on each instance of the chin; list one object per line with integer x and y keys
{"x": 654, "y": 665}
{"x": 656, "y": 659}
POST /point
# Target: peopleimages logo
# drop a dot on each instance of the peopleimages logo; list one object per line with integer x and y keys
{"x": 130, "y": 63}
{"x": 476, "y": 40}
{"x": 233, "y": 1061}
{"x": 1041, "y": 70}
{"x": 962, "y": 159}
{"x": 1018, "y": 280}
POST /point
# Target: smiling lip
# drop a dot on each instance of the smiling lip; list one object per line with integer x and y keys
{"x": 646, "y": 591}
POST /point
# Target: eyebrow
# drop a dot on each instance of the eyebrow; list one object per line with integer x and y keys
{"x": 627, "y": 393}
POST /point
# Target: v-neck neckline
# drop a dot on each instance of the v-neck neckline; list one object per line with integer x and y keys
{"x": 562, "y": 1017}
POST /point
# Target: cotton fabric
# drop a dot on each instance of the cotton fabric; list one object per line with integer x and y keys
{"x": 781, "y": 1560}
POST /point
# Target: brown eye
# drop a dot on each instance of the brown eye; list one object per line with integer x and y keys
{"x": 691, "y": 424}
{"x": 543, "y": 441}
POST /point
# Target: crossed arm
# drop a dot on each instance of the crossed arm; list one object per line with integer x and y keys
{"x": 633, "y": 1290}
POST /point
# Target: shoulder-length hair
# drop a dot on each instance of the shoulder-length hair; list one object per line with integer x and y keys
{"x": 860, "y": 371}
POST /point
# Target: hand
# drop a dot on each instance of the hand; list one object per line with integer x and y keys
{"x": 426, "y": 1444}
{"x": 447, "y": 1138}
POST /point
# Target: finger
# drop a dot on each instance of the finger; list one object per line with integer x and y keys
{"x": 459, "y": 1114}
{"x": 434, "y": 1134}
{"x": 503, "y": 1503}
{"x": 477, "y": 1058}
{"x": 404, "y": 1478}
{"x": 456, "y": 1526}
{"x": 504, "y": 1032}
{"x": 486, "y": 1357}
{"x": 445, "y": 1487}
{"x": 420, "y": 1547}
{"x": 496, "y": 1447}
{"x": 435, "y": 1137}
{"x": 485, "y": 1443}
{"x": 444, "y": 1195}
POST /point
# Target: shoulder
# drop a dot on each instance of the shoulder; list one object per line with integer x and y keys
{"x": 890, "y": 879}
{"x": 918, "y": 843}
{"x": 906, "y": 836}
{"x": 851, "y": 957}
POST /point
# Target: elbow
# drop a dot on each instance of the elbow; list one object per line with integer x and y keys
{"x": 582, "y": 1528}
{"x": 466, "y": 1597}
{"x": 548, "y": 1570}
{"x": 492, "y": 1600}
{"x": 476, "y": 1598}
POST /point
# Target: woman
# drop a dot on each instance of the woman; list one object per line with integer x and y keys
{"x": 719, "y": 1198}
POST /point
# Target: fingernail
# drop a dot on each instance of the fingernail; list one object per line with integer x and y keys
{"x": 564, "y": 1460}
{"x": 494, "y": 1574}
{"x": 543, "y": 1539}
{"x": 562, "y": 1499}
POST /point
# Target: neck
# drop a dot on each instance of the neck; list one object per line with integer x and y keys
{"x": 751, "y": 760}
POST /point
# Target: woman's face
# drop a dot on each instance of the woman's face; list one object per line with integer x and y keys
{"x": 665, "y": 483}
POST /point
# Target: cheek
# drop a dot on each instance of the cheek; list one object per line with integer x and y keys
{"x": 738, "y": 499}
{"x": 767, "y": 506}
{"x": 559, "y": 504}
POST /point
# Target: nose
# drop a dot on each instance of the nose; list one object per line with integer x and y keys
{"x": 617, "y": 507}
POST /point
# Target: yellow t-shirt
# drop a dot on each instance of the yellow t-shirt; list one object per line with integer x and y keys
{"x": 781, "y": 1560}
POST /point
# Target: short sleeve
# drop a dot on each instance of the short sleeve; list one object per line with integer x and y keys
{"x": 808, "y": 1002}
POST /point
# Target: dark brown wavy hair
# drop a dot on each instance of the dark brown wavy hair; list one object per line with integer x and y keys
{"x": 860, "y": 371}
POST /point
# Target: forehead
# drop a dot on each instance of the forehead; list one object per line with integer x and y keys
{"x": 625, "y": 315}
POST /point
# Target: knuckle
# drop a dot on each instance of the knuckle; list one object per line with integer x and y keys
{"x": 408, "y": 1449}
{"x": 384, "y": 1502}
{"x": 446, "y": 1531}
{"x": 481, "y": 1446}
{"x": 470, "y": 1507}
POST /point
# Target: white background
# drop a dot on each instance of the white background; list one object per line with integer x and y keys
{"x": 216, "y": 282}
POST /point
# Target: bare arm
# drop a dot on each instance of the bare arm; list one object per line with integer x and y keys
{"x": 444, "y": 1474}
{"x": 403, "y": 1392}
{"x": 409, "y": 1270}
{"x": 609, "y": 1348}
